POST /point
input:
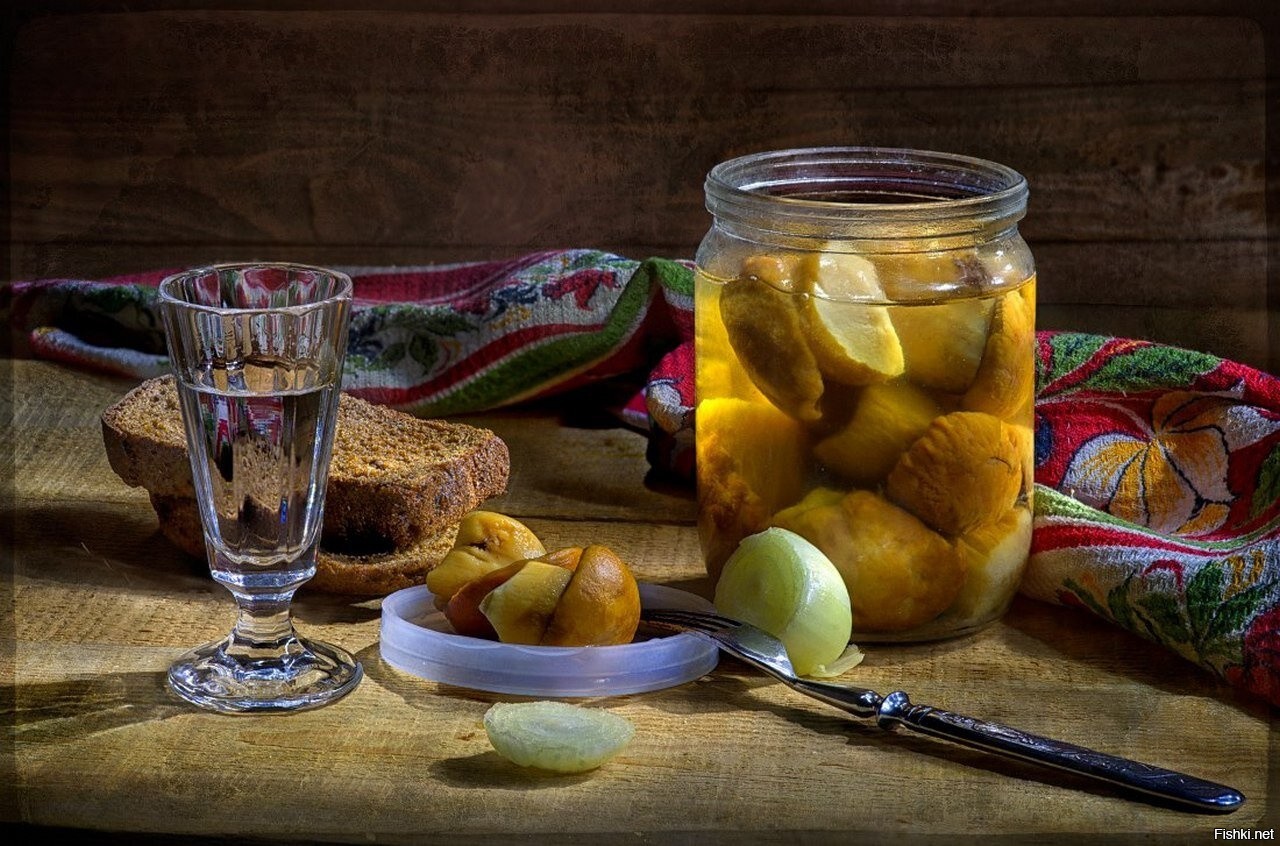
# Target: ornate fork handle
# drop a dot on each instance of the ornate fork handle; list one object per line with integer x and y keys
{"x": 766, "y": 653}
{"x": 897, "y": 709}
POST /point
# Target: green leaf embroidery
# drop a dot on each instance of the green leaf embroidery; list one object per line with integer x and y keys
{"x": 113, "y": 299}
{"x": 444, "y": 322}
{"x": 1233, "y": 614}
{"x": 1268, "y": 487}
{"x": 423, "y": 349}
{"x": 391, "y": 356}
{"x": 1085, "y": 596}
{"x": 1069, "y": 351}
{"x": 1222, "y": 653}
{"x": 1118, "y": 603}
{"x": 1204, "y": 596}
{"x": 671, "y": 275}
{"x": 1152, "y": 367}
{"x": 1165, "y": 616}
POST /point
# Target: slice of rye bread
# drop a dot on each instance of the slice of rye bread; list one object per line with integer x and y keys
{"x": 394, "y": 479}
{"x": 336, "y": 572}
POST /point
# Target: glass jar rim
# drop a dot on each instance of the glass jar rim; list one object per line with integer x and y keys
{"x": 805, "y": 192}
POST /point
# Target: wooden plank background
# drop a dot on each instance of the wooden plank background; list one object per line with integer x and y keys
{"x": 159, "y": 134}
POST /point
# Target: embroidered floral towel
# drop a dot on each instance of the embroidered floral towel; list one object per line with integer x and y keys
{"x": 436, "y": 340}
{"x": 1158, "y": 469}
{"x": 1158, "y": 474}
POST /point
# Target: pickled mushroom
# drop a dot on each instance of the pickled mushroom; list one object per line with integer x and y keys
{"x": 486, "y": 541}
{"x": 886, "y": 420}
{"x": 908, "y": 277}
{"x": 767, "y": 333}
{"x": 1006, "y": 378}
{"x": 943, "y": 344}
{"x": 600, "y": 606}
{"x": 967, "y": 468}
{"x": 1024, "y": 437}
{"x": 719, "y": 374}
{"x": 811, "y": 519}
{"x": 520, "y": 608}
{"x": 995, "y": 554}
{"x": 751, "y": 458}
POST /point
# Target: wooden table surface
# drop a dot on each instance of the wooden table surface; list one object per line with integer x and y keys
{"x": 100, "y": 605}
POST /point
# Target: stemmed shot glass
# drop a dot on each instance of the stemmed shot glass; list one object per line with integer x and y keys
{"x": 257, "y": 350}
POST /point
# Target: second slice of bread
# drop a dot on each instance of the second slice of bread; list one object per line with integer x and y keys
{"x": 374, "y": 574}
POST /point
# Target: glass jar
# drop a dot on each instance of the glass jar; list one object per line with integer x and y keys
{"x": 865, "y": 344}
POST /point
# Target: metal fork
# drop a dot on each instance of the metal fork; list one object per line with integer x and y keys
{"x": 765, "y": 652}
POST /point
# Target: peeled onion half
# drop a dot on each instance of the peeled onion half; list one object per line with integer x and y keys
{"x": 779, "y": 582}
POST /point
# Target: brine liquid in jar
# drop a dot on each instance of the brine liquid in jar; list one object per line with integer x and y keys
{"x": 897, "y": 437}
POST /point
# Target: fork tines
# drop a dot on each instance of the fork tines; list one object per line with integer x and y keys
{"x": 700, "y": 620}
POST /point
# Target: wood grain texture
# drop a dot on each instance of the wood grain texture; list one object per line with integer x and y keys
{"x": 101, "y": 604}
{"x": 490, "y": 131}
{"x": 412, "y": 132}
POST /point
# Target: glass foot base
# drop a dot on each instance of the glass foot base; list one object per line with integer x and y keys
{"x": 307, "y": 674}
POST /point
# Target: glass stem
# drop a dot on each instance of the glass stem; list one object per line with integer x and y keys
{"x": 263, "y": 624}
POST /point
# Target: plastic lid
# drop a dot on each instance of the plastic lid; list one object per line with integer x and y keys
{"x": 416, "y": 638}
